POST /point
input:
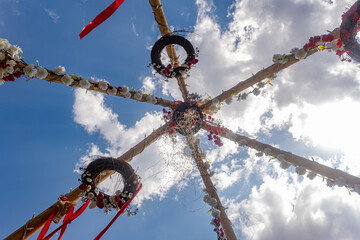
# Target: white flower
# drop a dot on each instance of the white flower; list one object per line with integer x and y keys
{"x": 88, "y": 179}
{"x": 112, "y": 91}
{"x": 311, "y": 175}
{"x": 14, "y": 50}
{"x": 16, "y": 58}
{"x": 2, "y": 73}
{"x": 106, "y": 211}
{"x": 229, "y": 100}
{"x": 242, "y": 142}
{"x": 267, "y": 151}
{"x": 300, "y": 170}
{"x": 127, "y": 95}
{"x": 92, "y": 80}
{"x": 59, "y": 70}
{"x": 256, "y": 91}
{"x": 207, "y": 198}
{"x": 284, "y": 164}
{"x": 90, "y": 195}
{"x": 281, "y": 157}
{"x": 84, "y": 83}
{"x": 138, "y": 95}
{"x": 1, "y": 82}
{"x": 92, "y": 204}
{"x": 88, "y": 188}
{"x": 9, "y": 70}
{"x": 130, "y": 195}
{"x": 260, "y": 84}
{"x": 259, "y": 154}
{"x": 103, "y": 85}
{"x": 67, "y": 79}
{"x": 330, "y": 183}
{"x": 2, "y": 56}
{"x": 215, "y": 213}
{"x": 212, "y": 202}
{"x": 243, "y": 96}
{"x": 42, "y": 73}
{"x": 300, "y": 54}
{"x": 340, "y": 181}
{"x": 109, "y": 206}
{"x": 11, "y": 63}
{"x": 276, "y": 58}
{"x": 212, "y": 107}
{"x": 96, "y": 190}
{"x": 206, "y": 165}
{"x": 30, "y": 70}
{"x": 124, "y": 90}
{"x": 4, "y": 44}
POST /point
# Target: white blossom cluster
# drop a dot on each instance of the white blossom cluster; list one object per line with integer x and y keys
{"x": 299, "y": 54}
{"x": 280, "y": 58}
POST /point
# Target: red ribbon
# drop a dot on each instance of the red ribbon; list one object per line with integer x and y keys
{"x": 122, "y": 209}
{"x": 68, "y": 219}
{"x": 47, "y": 225}
{"x": 101, "y": 18}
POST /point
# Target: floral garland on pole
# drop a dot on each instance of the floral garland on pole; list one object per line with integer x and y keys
{"x": 170, "y": 71}
{"x": 348, "y": 31}
{"x": 13, "y": 66}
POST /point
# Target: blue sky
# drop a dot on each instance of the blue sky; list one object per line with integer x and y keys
{"x": 49, "y": 130}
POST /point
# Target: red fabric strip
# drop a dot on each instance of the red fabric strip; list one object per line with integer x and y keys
{"x": 68, "y": 221}
{"x": 100, "y": 18}
{"x": 122, "y": 209}
{"x": 69, "y": 214}
{"x": 47, "y": 225}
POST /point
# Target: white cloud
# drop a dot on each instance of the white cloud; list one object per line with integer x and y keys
{"x": 52, "y": 14}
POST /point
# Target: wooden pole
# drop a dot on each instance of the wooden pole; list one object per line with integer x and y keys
{"x": 261, "y": 75}
{"x": 52, "y": 77}
{"x": 164, "y": 30}
{"x": 38, "y": 222}
{"x": 210, "y": 188}
{"x": 312, "y": 166}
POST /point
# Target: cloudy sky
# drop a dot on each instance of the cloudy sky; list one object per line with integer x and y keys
{"x": 48, "y": 131}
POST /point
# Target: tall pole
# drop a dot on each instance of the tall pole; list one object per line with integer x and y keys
{"x": 164, "y": 30}
{"x": 210, "y": 188}
{"x": 35, "y": 224}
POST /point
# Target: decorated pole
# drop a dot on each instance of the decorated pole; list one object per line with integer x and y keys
{"x": 164, "y": 30}
{"x": 334, "y": 176}
{"x": 210, "y": 188}
{"x": 261, "y": 75}
{"x": 36, "y": 223}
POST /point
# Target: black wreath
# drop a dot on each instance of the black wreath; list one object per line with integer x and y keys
{"x": 95, "y": 168}
{"x": 169, "y": 71}
{"x": 179, "y": 116}
{"x": 348, "y": 31}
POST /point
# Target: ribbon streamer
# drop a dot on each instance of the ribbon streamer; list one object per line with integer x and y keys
{"x": 122, "y": 209}
{"x": 101, "y": 18}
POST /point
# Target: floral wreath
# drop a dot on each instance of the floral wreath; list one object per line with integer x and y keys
{"x": 170, "y": 71}
{"x": 101, "y": 200}
{"x": 188, "y": 118}
{"x": 348, "y": 30}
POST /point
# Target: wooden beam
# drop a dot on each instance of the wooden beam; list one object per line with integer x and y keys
{"x": 164, "y": 30}
{"x": 310, "y": 165}
{"x": 210, "y": 188}
{"x": 261, "y": 75}
{"x": 38, "y": 222}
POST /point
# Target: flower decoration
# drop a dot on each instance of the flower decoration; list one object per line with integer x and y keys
{"x": 101, "y": 200}
{"x": 188, "y": 118}
{"x": 348, "y": 30}
{"x": 59, "y": 70}
{"x": 169, "y": 71}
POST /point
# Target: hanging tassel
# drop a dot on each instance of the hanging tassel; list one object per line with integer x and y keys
{"x": 101, "y": 18}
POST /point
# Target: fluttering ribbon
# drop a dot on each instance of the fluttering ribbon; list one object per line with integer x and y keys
{"x": 101, "y": 18}
{"x": 47, "y": 225}
{"x": 70, "y": 216}
{"x": 122, "y": 209}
